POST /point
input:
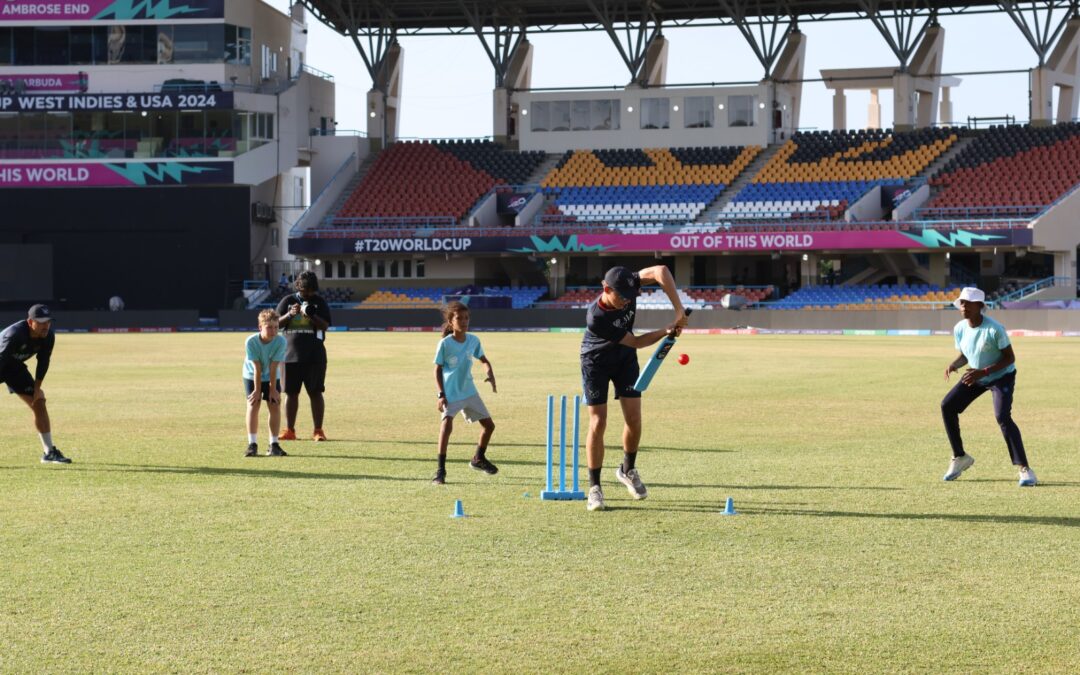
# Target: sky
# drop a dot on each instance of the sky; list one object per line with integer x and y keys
{"x": 448, "y": 81}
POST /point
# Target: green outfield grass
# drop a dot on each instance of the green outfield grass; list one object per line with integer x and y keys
{"x": 163, "y": 549}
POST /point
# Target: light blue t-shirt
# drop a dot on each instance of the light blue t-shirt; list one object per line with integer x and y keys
{"x": 982, "y": 346}
{"x": 264, "y": 353}
{"x": 456, "y": 360}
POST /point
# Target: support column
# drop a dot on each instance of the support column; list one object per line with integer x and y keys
{"x": 839, "y": 110}
{"x": 684, "y": 270}
{"x": 939, "y": 269}
{"x": 809, "y": 270}
{"x": 945, "y": 107}
{"x": 903, "y": 101}
{"x": 1065, "y": 266}
{"x": 873, "y": 113}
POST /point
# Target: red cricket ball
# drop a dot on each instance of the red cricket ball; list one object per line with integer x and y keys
{"x": 683, "y": 359}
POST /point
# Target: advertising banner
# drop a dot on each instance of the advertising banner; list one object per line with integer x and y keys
{"x": 10, "y": 84}
{"x": 106, "y": 102}
{"x": 692, "y": 243}
{"x": 130, "y": 174}
{"x": 110, "y": 10}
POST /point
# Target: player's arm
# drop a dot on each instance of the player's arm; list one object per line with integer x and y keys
{"x": 440, "y": 388}
{"x": 317, "y": 319}
{"x": 955, "y": 366}
{"x": 1007, "y": 359}
{"x": 256, "y": 376}
{"x": 286, "y": 310}
{"x": 44, "y": 358}
{"x": 490, "y": 373}
{"x": 650, "y": 338}
{"x": 275, "y": 368}
{"x": 660, "y": 274}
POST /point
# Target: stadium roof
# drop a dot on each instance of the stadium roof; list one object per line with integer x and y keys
{"x": 456, "y": 16}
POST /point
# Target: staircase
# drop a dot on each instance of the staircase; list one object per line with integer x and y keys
{"x": 959, "y": 146}
{"x": 361, "y": 173}
{"x": 711, "y": 212}
{"x": 544, "y": 168}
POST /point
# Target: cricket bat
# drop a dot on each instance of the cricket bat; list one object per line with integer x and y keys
{"x": 657, "y": 359}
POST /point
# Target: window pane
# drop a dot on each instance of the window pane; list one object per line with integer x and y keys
{"x": 52, "y": 46}
{"x": 741, "y": 111}
{"x": 655, "y": 113}
{"x": 82, "y": 46}
{"x": 579, "y": 116}
{"x": 6, "y": 57}
{"x": 601, "y": 115}
{"x": 24, "y": 46}
{"x": 698, "y": 112}
{"x": 166, "y": 45}
{"x": 541, "y": 113}
{"x": 560, "y": 115}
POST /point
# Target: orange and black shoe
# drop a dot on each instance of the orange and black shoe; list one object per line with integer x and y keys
{"x": 288, "y": 435}
{"x": 318, "y": 435}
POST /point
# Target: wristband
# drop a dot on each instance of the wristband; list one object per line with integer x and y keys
{"x": 441, "y": 394}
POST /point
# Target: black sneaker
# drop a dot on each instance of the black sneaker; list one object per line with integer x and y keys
{"x": 54, "y": 456}
{"x": 253, "y": 450}
{"x": 482, "y": 464}
{"x": 276, "y": 451}
{"x": 440, "y": 477}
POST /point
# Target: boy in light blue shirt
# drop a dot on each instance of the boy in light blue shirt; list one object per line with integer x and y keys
{"x": 264, "y": 353}
{"x": 984, "y": 345}
{"x": 456, "y": 391}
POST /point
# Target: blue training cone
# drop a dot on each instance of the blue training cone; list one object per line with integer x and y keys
{"x": 459, "y": 510}
{"x": 729, "y": 508}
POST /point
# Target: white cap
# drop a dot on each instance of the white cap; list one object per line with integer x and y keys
{"x": 971, "y": 295}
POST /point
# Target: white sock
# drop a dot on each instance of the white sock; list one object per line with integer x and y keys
{"x": 252, "y": 437}
{"x": 273, "y": 439}
{"x": 46, "y": 441}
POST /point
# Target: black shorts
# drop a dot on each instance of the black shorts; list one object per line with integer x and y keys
{"x": 621, "y": 370}
{"x": 18, "y": 379}
{"x": 312, "y": 376}
{"x": 249, "y": 386}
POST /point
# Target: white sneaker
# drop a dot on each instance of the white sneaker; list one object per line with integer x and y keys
{"x": 632, "y": 480}
{"x": 957, "y": 466}
{"x": 596, "y": 499}
{"x": 1027, "y": 477}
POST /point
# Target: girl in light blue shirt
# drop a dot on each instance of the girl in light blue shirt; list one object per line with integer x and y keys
{"x": 456, "y": 391}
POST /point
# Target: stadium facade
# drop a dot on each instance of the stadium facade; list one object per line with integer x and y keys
{"x": 155, "y": 151}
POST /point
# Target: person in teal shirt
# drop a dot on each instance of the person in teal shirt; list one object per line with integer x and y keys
{"x": 263, "y": 354}
{"x": 984, "y": 346}
{"x": 456, "y": 391}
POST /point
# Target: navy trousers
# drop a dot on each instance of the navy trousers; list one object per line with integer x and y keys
{"x": 961, "y": 396}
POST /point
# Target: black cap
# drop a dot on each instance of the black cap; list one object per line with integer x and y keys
{"x": 625, "y": 282}
{"x": 40, "y": 313}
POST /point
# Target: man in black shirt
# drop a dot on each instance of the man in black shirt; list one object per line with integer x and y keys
{"x": 18, "y": 342}
{"x": 305, "y": 316}
{"x": 609, "y": 354}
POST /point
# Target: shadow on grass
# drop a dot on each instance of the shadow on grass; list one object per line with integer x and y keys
{"x": 1011, "y": 519}
{"x": 770, "y": 487}
{"x": 251, "y": 473}
{"x": 428, "y": 459}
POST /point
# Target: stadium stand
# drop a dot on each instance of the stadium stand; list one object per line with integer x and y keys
{"x": 638, "y": 190}
{"x": 441, "y": 179}
{"x": 420, "y": 298}
{"x": 693, "y": 297}
{"x": 875, "y": 297}
{"x": 819, "y": 174}
{"x": 1008, "y": 171}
